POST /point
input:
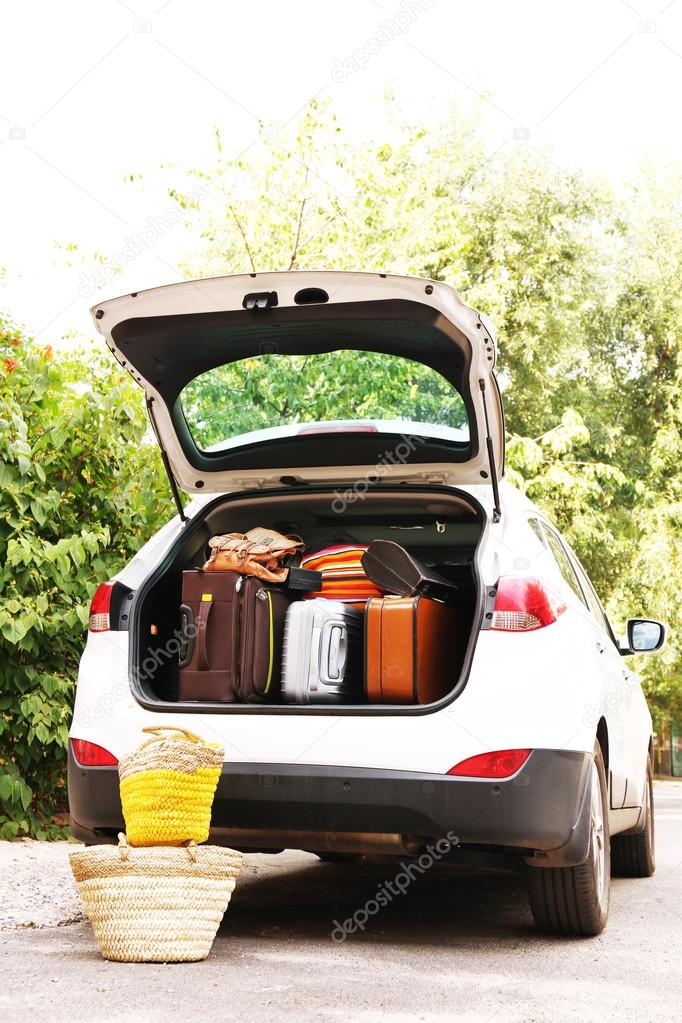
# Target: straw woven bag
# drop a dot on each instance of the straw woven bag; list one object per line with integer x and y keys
{"x": 167, "y": 787}
{"x": 155, "y": 905}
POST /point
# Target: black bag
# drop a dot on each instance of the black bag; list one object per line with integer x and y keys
{"x": 397, "y": 571}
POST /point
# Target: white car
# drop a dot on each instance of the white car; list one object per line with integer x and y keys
{"x": 261, "y": 393}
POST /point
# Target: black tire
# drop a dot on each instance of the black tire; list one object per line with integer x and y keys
{"x": 635, "y": 855}
{"x": 575, "y": 900}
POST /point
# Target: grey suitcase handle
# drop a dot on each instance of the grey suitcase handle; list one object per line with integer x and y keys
{"x": 333, "y": 651}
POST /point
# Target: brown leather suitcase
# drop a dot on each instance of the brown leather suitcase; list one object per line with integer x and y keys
{"x": 208, "y": 628}
{"x": 232, "y": 628}
{"x": 262, "y": 610}
{"x": 411, "y": 645}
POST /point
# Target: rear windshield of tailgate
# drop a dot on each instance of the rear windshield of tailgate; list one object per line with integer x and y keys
{"x": 274, "y": 390}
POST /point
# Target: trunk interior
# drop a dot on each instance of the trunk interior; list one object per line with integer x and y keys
{"x": 441, "y": 526}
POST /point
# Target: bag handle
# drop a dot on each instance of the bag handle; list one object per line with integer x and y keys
{"x": 157, "y": 732}
{"x": 124, "y": 846}
{"x": 179, "y": 733}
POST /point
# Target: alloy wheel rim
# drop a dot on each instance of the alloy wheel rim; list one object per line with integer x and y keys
{"x": 598, "y": 835}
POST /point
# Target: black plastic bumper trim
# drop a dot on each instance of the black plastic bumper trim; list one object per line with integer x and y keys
{"x": 540, "y": 809}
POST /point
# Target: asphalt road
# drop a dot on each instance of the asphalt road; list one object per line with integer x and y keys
{"x": 456, "y": 946}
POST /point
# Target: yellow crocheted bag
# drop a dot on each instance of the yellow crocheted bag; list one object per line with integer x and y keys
{"x": 167, "y": 787}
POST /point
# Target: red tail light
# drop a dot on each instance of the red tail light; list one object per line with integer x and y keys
{"x": 524, "y": 604}
{"x": 100, "y": 605}
{"x": 500, "y": 764}
{"x": 89, "y": 754}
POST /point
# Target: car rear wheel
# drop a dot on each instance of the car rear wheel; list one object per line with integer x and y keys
{"x": 575, "y": 900}
{"x": 634, "y": 855}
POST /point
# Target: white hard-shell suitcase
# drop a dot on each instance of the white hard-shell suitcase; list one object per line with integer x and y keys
{"x": 323, "y": 651}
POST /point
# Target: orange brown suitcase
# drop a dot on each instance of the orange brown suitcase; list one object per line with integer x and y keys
{"x": 411, "y": 646}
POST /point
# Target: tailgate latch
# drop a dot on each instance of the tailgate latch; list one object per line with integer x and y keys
{"x": 257, "y": 300}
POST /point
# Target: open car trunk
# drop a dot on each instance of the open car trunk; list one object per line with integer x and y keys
{"x": 343, "y": 407}
{"x": 440, "y": 525}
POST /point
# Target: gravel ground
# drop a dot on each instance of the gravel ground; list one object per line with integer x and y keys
{"x": 457, "y": 945}
{"x": 37, "y": 887}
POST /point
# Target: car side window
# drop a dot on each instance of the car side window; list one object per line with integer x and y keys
{"x": 564, "y": 564}
{"x": 537, "y": 529}
{"x": 592, "y": 598}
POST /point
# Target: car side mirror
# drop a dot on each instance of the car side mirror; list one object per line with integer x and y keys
{"x": 643, "y": 636}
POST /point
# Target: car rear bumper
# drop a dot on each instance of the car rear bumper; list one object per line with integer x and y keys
{"x": 541, "y": 811}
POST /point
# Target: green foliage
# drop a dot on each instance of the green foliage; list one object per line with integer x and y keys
{"x": 79, "y": 489}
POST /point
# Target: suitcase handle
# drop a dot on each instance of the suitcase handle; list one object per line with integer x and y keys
{"x": 187, "y": 634}
{"x": 334, "y": 650}
{"x": 201, "y": 627}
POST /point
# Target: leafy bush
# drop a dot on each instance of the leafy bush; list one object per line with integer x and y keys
{"x": 80, "y": 486}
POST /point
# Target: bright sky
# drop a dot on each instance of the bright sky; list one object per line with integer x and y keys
{"x": 91, "y": 92}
